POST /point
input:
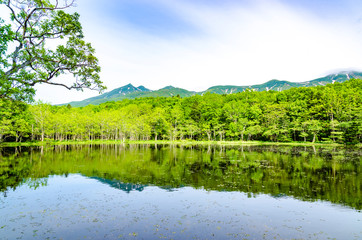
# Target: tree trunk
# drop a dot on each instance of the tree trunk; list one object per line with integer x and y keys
{"x": 32, "y": 132}
{"x": 208, "y": 136}
{"x": 42, "y": 135}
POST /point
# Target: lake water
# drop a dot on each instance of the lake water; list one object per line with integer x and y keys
{"x": 180, "y": 192}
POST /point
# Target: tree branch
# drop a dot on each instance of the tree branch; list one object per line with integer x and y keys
{"x": 32, "y": 62}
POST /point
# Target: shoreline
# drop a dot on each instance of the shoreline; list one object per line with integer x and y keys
{"x": 166, "y": 142}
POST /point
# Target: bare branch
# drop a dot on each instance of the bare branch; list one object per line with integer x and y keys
{"x": 13, "y": 12}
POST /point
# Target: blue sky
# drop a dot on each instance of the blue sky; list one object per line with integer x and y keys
{"x": 196, "y": 44}
{"x": 163, "y": 18}
{"x": 147, "y": 17}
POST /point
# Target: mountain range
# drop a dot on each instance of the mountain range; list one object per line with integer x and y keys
{"x": 130, "y": 92}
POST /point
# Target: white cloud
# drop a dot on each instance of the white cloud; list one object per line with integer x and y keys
{"x": 239, "y": 45}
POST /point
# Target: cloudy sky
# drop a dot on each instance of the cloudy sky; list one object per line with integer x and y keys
{"x": 196, "y": 44}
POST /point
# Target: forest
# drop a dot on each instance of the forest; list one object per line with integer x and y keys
{"x": 331, "y": 113}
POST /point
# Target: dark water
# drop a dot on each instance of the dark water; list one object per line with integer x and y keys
{"x": 170, "y": 192}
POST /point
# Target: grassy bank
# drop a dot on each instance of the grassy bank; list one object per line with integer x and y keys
{"x": 184, "y": 142}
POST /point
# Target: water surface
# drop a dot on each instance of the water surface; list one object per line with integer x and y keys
{"x": 170, "y": 192}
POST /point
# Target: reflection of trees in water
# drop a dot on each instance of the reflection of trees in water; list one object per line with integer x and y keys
{"x": 306, "y": 173}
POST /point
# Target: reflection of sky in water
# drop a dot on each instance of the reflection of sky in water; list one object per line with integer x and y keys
{"x": 81, "y": 208}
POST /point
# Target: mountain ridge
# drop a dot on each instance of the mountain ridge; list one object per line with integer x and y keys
{"x": 130, "y": 92}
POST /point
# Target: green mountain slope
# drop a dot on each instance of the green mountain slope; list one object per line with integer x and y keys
{"x": 128, "y": 91}
{"x": 131, "y": 92}
{"x": 277, "y": 85}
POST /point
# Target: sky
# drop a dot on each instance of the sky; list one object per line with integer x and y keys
{"x": 196, "y": 44}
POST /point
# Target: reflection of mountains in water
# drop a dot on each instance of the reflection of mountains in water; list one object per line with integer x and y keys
{"x": 127, "y": 187}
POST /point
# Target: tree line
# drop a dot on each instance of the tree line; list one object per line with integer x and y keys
{"x": 330, "y": 113}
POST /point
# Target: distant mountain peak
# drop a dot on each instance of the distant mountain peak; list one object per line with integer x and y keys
{"x": 168, "y": 87}
{"x": 130, "y": 92}
{"x": 143, "y": 89}
{"x": 129, "y": 88}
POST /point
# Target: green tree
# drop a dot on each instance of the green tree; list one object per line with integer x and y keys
{"x": 314, "y": 127}
{"x": 276, "y": 122}
{"x": 191, "y": 129}
{"x": 5, "y": 119}
{"x": 32, "y": 25}
{"x": 336, "y": 134}
{"x": 254, "y": 130}
{"x": 158, "y": 122}
{"x": 42, "y": 115}
{"x": 21, "y": 123}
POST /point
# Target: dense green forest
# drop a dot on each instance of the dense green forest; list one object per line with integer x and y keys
{"x": 331, "y": 113}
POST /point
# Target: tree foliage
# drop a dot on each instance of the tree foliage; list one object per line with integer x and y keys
{"x": 298, "y": 114}
{"x": 27, "y": 55}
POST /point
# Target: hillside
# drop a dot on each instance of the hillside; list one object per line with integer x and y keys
{"x": 131, "y": 92}
{"x": 278, "y": 85}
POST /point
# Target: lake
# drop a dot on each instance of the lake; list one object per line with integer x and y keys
{"x": 180, "y": 192}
